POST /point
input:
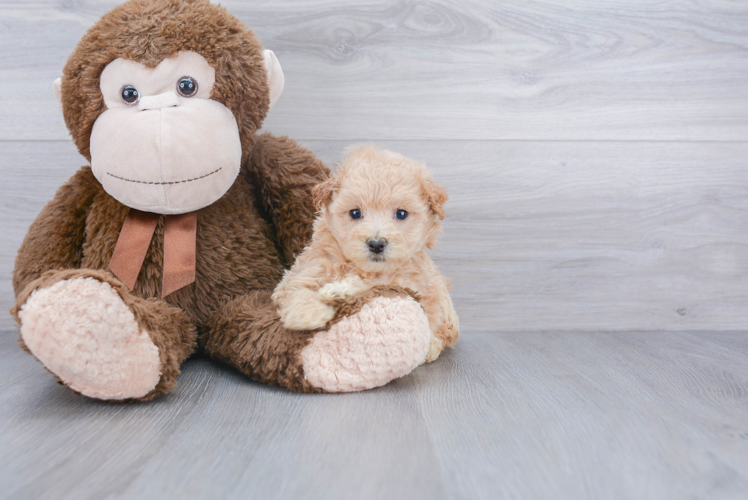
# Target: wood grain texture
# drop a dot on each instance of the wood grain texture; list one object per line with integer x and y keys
{"x": 539, "y": 235}
{"x": 564, "y": 415}
{"x": 599, "y": 415}
{"x": 597, "y": 237}
{"x": 443, "y": 69}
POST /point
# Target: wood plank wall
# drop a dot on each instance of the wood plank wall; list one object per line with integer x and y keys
{"x": 596, "y": 153}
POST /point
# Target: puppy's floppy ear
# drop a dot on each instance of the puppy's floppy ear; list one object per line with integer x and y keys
{"x": 436, "y": 197}
{"x": 323, "y": 192}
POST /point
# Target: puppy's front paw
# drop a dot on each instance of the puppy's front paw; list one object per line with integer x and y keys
{"x": 308, "y": 316}
{"x": 338, "y": 290}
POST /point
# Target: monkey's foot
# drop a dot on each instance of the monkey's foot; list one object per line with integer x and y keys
{"x": 385, "y": 340}
{"x": 83, "y": 332}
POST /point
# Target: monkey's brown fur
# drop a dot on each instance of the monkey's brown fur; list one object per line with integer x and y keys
{"x": 241, "y": 255}
{"x": 148, "y": 31}
{"x": 245, "y": 240}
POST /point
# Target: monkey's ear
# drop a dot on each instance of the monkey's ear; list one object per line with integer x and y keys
{"x": 276, "y": 80}
{"x": 58, "y": 90}
{"x": 323, "y": 192}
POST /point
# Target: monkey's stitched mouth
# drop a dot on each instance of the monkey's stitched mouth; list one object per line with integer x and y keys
{"x": 164, "y": 183}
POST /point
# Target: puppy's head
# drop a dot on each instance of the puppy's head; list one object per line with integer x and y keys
{"x": 381, "y": 208}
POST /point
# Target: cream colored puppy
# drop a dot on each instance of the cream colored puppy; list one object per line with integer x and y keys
{"x": 378, "y": 214}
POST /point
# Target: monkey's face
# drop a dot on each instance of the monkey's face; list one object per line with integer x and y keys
{"x": 163, "y": 145}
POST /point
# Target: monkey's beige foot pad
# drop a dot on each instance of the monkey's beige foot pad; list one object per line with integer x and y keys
{"x": 385, "y": 340}
{"x": 83, "y": 332}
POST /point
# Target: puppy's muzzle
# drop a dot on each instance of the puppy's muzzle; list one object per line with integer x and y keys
{"x": 376, "y": 246}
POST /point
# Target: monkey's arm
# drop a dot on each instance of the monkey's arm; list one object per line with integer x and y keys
{"x": 55, "y": 239}
{"x": 284, "y": 174}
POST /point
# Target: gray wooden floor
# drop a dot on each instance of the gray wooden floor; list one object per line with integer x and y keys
{"x": 508, "y": 415}
{"x": 596, "y": 154}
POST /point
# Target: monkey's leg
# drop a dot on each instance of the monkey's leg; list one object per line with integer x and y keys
{"x": 377, "y": 337}
{"x": 247, "y": 334}
{"x": 99, "y": 339}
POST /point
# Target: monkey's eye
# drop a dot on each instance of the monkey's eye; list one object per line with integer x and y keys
{"x": 187, "y": 86}
{"x": 356, "y": 213}
{"x": 130, "y": 95}
{"x": 401, "y": 214}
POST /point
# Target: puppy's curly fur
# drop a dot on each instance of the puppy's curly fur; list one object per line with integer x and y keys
{"x": 378, "y": 214}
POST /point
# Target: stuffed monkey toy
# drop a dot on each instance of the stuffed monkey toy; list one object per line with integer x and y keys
{"x": 175, "y": 236}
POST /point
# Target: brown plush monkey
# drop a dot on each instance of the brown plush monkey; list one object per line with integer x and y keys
{"x": 180, "y": 229}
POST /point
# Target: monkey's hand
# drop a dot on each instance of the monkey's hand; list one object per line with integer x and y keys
{"x": 342, "y": 290}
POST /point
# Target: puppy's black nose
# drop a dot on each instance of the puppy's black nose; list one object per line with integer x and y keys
{"x": 376, "y": 246}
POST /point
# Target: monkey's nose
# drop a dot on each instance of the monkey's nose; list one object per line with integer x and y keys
{"x": 377, "y": 246}
{"x": 165, "y": 100}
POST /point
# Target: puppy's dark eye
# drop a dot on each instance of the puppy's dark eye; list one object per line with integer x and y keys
{"x": 187, "y": 86}
{"x": 130, "y": 94}
{"x": 356, "y": 213}
{"x": 401, "y": 214}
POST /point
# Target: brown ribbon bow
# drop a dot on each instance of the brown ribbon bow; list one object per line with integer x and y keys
{"x": 180, "y": 235}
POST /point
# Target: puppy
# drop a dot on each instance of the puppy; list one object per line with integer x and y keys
{"x": 378, "y": 214}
